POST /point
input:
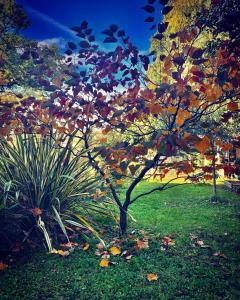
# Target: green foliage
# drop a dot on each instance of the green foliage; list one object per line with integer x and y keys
{"x": 44, "y": 188}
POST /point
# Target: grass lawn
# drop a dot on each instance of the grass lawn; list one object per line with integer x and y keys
{"x": 185, "y": 271}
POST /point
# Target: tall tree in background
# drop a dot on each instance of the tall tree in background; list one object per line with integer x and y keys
{"x": 12, "y": 21}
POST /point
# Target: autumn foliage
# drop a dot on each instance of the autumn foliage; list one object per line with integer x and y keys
{"x": 131, "y": 127}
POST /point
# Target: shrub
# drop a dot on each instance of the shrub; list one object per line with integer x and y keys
{"x": 45, "y": 191}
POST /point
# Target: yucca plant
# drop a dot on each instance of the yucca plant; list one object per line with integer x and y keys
{"x": 44, "y": 187}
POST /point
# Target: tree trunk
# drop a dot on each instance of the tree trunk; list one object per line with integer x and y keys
{"x": 214, "y": 184}
{"x": 214, "y": 175}
{"x": 123, "y": 222}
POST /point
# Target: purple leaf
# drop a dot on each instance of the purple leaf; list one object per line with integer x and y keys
{"x": 107, "y": 32}
{"x": 121, "y": 33}
{"x": 88, "y": 31}
{"x": 84, "y": 44}
{"x": 110, "y": 40}
{"x": 76, "y": 29}
{"x": 197, "y": 53}
{"x": 84, "y": 25}
{"x": 166, "y": 10}
{"x": 91, "y": 38}
{"x": 158, "y": 36}
{"x": 68, "y": 52}
{"x": 72, "y": 46}
{"x": 149, "y": 8}
{"x": 163, "y": 2}
{"x": 162, "y": 27}
{"x": 179, "y": 60}
{"x": 149, "y": 19}
{"x": 153, "y": 27}
{"x": 113, "y": 28}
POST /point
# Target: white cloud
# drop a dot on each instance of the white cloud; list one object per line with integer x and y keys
{"x": 60, "y": 42}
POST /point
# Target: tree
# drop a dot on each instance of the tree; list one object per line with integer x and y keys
{"x": 221, "y": 136}
{"x": 12, "y": 20}
{"x": 108, "y": 94}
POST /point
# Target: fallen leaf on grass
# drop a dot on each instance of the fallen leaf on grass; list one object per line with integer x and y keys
{"x": 98, "y": 253}
{"x": 115, "y": 251}
{"x": 69, "y": 245}
{"x": 127, "y": 255}
{"x": 104, "y": 263}
{"x": 106, "y": 256}
{"x": 100, "y": 246}
{"x": 193, "y": 236}
{"x": 201, "y": 244}
{"x": 3, "y": 266}
{"x": 167, "y": 241}
{"x": 63, "y": 253}
{"x": 86, "y": 246}
{"x": 152, "y": 277}
{"x": 141, "y": 244}
{"x": 219, "y": 254}
{"x": 60, "y": 252}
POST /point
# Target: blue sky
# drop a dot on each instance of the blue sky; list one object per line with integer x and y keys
{"x": 51, "y": 18}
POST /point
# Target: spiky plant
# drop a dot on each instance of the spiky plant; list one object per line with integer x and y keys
{"x": 45, "y": 188}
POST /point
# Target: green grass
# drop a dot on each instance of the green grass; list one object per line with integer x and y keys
{"x": 185, "y": 271}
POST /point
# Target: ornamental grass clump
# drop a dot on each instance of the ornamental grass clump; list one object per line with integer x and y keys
{"x": 45, "y": 191}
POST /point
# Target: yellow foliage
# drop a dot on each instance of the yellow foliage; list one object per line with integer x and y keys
{"x": 183, "y": 13}
{"x": 115, "y": 250}
{"x": 104, "y": 263}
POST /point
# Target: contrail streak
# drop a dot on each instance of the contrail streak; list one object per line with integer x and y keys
{"x": 50, "y": 20}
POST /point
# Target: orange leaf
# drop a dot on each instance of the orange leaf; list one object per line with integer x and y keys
{"x": 36, "y": 211}
{"x": 152, "y": 277}
{"x": 203, "y": 145}
{"x": 104, "y": 263}
{"x": 103, "y": 140}
{"x": 213, "y": 92}
{"x": 180, "y": 120}
{"x": 14, "y": 123}
{"x": 119, "y": 181}
{"x": 115, "y": 250}
{"x": 226, "y": 147}
{"x": 141, "y": 245}
{"x": 61, "y": 129}
{"x": 3, "y": 266}
{"x": 155, "y": 108}
{"x": 106, "y": 130}
{"x": 171, "y": 109}
{"x": 86, "y": 246}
